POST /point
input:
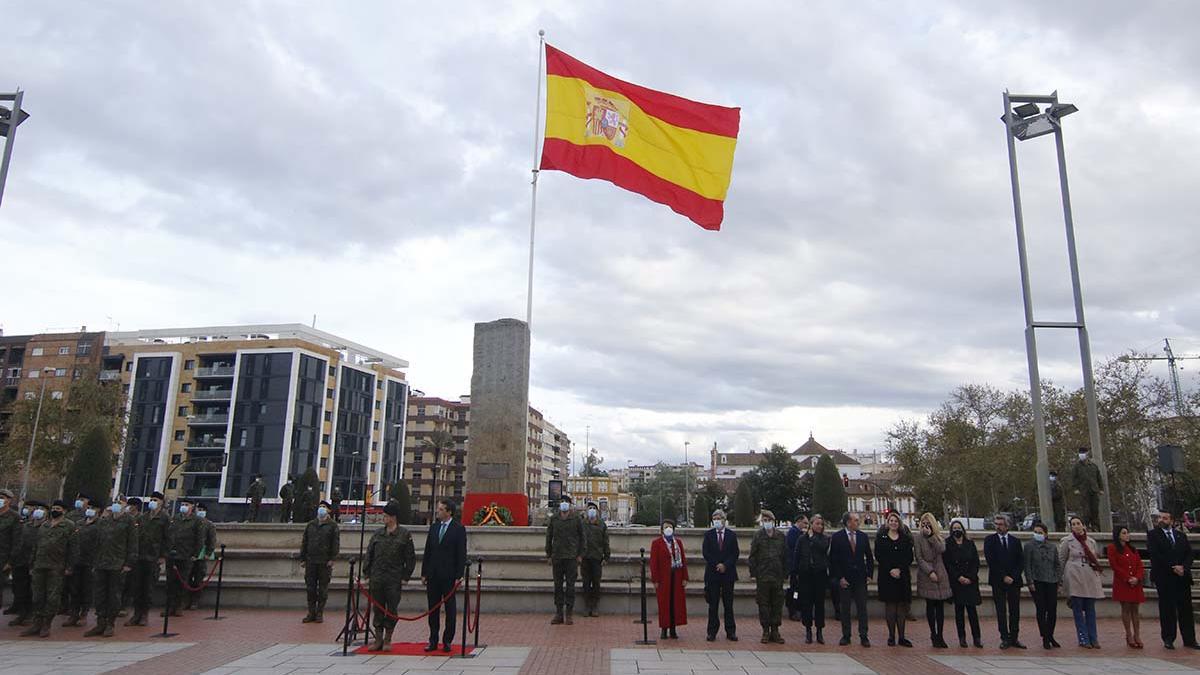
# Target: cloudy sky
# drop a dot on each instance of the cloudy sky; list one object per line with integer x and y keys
{"x": 368, "y": 162}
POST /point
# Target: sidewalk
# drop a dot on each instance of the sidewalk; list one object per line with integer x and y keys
{"x": 259, "y": 642}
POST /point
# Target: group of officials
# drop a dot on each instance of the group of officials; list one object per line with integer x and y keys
{"x": 947, "y": 571}
{"x": 72, "y": 562}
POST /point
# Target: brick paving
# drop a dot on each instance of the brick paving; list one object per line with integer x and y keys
{"x": 586, "y": 647}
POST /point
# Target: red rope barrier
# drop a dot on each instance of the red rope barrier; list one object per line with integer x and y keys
{"x": 473, "y": 626}
{"x": 375, "y": 603}
{"x": 197, "y": 589}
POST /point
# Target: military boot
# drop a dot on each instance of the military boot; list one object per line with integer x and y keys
{"x": 387, "y": 639}
{"x": 311, "y": 616}
{"x": 34, "y": 628}
{"x": 45, "y": 629}
{"x": 558, "y": 616}
{"x": 766, "y": 636}
{"x": 320, "y": 618}
{"x": 96, "y": 630}
{"x": 570, "y": 620}
{"x": 132, "y": 620}
{"x": 377, "y": 645}
{"x": 108, "y": 628}
{"x": 775, "y": 636}
{"x": 72, "y": 620}
{"x": 21, "y": 620}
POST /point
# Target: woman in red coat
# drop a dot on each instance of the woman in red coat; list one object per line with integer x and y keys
{"x": 668, "y": 571}
{"x": 1127, "y": 584}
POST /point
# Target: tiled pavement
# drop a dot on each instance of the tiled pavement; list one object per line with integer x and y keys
{"x": 24, "y": 657}
{"x": 309, "y": 659}
{"x": 1014, "y": 665}
{"x": 680, "y": 661}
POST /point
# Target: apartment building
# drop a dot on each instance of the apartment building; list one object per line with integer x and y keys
{"x": 211, "y": 407}
{"x": 49, "y": 362}
{"x": 615, "y": 504}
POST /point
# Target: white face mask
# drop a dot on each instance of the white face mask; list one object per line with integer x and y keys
{"x": 1082, "y": 456}
{"x": 184, "y": 509}
{"x": 768, "y": 525}
{"x": 79, "y": 503}
{"x": 202, "y": 514}
{"x": 322, "y": 513}
{"x": 90, "y": 513}
{"x": 668, "y": 531}
{"x": 24, "y": 511}
{"x": 719, "y": 524}
{"x": 3, "y": 502}
{"x": 564, "y": 507}
{"x": 153, "y": 505}
{"x": 38, "y": 514}
{"x": 592, "y": 513}
{"x": 1038, "y": 536}
{"x": 116, "y": 507}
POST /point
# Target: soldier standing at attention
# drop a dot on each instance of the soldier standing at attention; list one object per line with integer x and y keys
{"x": 22, "y": 563}
{"x": 768, "y": 566}
{"x": 152, "y": 541}
{"x": 207, "y": 552}
{"x": 287, "y": 495}
{"x": 595, "y": 553}
{"x": 318, "y": 549}
{"x": 565, "y": 543}
{"x": 255, "y": 496}
{"x": 80, "y": 580}
{"x": 185, "y": 538}
{"x": 1085, "y": 480}
{"x": 53, "y": 555}
{"x": 1059, "y": 521}
{"x": 79, "y": 513}
{"x": 10, "y": 532}
{"x": 116, "y": 535}
{"x": 390, "y": 560}
{"x": 335, "y": 498}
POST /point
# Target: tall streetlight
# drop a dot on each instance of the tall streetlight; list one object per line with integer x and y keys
{"x": 687, "y": 470}
{"x": 37, "y": 418}
{"x": 9, "y": 121}
{"x": 1023, "y": 122}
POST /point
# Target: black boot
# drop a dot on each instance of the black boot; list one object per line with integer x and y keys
{"x": 808, "y": 635}
{"x": 558, "y": 617}
{"x": 820, "y": 636}
{"x": 663, "y": 635}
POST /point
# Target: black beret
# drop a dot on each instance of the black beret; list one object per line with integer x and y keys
{"x": 59, "y": 502}
{"x": 134, "y": 501}
{"x": 156, "y": 495}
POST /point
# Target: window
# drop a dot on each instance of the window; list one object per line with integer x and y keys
{"x": 75, "y": 374}
{"x": 374, "y": 447}
{"x": 60, "y": 372}
{"x": 328, "y": 393}
{"x": 64, "y": 351}
{"x": 176, "y": 459}
{"x": 37, "y": 351}
{"x": 179, "y": 435}
{"x": 35, "y": 374}
{"x": 189, "y": 364}
{"x": 724, "y": 459}
{"x": 173, "y": 483}
{"x": 372, "y": 467}
{"x": 56, "y": 395}
{"x": 186, "y": 387}
{"x": 83, "y": 349}
{"x": 378, "y": 405}
{"x": 129, "y": 366}
{"x": 375, "y": 425}
{"x": 379, "y": 386}
{"x": 324, "y": 440}
{"x": 332, "y": 371}
{"x": 324, "y": 462}
{"x": 328, "y": 415}
{"x": 183, "y": 411}
{"x": 125, "y": 389}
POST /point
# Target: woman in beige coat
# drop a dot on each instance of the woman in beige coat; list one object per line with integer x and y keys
{"x": 1079, "y": 567}
{"x": 933, "y": 583}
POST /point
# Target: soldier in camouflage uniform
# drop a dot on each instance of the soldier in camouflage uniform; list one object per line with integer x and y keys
{"x": 80, "y": 581}
{"x": 565, "y": 543}
{"x": 76, "y": 515}
{"x": 79, "y": 513}
{"x": 389, "y": 563}
{"x": 152, "y": 542}
{"x": 768, "y": 566}
{"x": 1088, "y": 485}
{"x": 53, "y": 557}
{"x": 595, "y": 554}
{"x": 318, "y": 548}
{"x": 116, "y": 554}
{"x": 10, "y": 532}
{"x": 185, "y": 538}
{"x": 208, "y": 551}
{"x": 254, "y": 495}
{"x": 22, "y": 562}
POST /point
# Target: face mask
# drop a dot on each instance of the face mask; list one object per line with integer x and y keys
{"x": 592, "y": 513}
{"x": 116, "y": 507}
{"x": 958, "y": 534}
{"x": 1082, "y": 456}
{"x": 90, "y": 513}
{"x": 322, "y": 513}
{"x": 79, "y": 503}
{"x": 24, "y": 512}
{"x": 38, "y": 514}
{"x": 668, "y": 531}
{"x": 719, "y": 524}
{"x": 1038, "y": 536}
{"x": 153, "y": 505}
{"x": 3, "y": 502}
{"x": 564, "y": 507}
{"x": 56, "y": 514}
{"x": 202, "y": 514}
{"x": 1053, "y": 478}
{"x": 184, "y": 509}
{"x": 768, "y": 525}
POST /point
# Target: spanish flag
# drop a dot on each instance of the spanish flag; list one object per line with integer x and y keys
{"x": 669, "y": 149}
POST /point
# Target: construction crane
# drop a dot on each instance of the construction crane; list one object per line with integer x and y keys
{"x": 1170, "y": 358}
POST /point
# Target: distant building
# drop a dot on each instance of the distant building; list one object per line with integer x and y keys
{"x": 728, "y": 468}
{"x": 29, "y": 363}
{"x": 615, "y": 504}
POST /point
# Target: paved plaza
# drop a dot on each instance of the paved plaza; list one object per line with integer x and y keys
{"x": 272, "y": 642}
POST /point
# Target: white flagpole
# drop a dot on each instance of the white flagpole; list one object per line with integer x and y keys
{"x": 537, "y": 111}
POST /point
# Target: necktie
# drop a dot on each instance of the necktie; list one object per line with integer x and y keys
{"x": 1004, "y": 541}
{"x": 442, "y": 533}
{"x": 853, "y": 541}
{"x": 1171, "y": 536}
{"x": 721, "y": 541}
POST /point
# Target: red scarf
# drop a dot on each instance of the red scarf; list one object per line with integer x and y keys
{"x": 1087, "y": 550}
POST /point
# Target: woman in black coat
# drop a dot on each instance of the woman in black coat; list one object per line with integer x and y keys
{"x": 811, "y": 569}
{"x": 962, "y": 566}
{"x": 894, "y": 553}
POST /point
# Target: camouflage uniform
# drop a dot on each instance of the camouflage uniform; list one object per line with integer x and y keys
{"x": 287, "y": 495}
{"x": 596, "y": 552}
{"x": 255, "y": 494}
{"x": 768, "y": 566}
{"x": 1085, "y": 479}
{"x": 53, "y": 555}
{"x": 10, "y": 538}
{"x": 80, "y": 582}
{"x": 389, "y": 562}
{"x": 185, "y": 538}
{"x": 565, "y": 543}
{"x": 318, "y": 548}
{"x": 116, "y": 551}
{"x": 152, "y": 534}
{"x": 22, "y": 572}
{"x": 200, "y": 564}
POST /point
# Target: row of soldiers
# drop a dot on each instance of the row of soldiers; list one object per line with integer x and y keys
{"x": 69, "y": 562}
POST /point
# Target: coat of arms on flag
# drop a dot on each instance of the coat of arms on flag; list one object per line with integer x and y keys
{"x": 607, "y": 116}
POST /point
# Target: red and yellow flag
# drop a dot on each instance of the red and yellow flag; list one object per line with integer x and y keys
{"x": 674, "y": 151}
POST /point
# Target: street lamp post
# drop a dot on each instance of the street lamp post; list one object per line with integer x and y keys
{"x": 37, "y": 418}
{"x": 9, "y": 121}
{"x": 1023, "y": 122}
{"x": 687, "y": 470}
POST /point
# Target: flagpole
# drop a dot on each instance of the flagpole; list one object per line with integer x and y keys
{"x": 537, "y": 111}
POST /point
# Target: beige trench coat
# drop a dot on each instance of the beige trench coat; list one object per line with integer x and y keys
{"x": 1078, "y": 578}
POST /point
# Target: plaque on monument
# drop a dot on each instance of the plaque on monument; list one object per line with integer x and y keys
{"x": 493, "y": 470}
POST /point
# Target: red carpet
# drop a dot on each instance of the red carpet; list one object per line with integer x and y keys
{"x": 412, "y": 649}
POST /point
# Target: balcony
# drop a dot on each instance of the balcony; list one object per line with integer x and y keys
{"x": 215, "y": 418}
{"x": 215, "y": 371}
{"x": 212, "y": 395}
{"x": 12, "y": 381}
{"x": 206, "y": 444}
{"x": 110, "y": 375}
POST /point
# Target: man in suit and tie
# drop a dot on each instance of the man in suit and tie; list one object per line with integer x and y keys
{"x": 851, "y": 565}
{"x": 721, "y": 552}
{"x": 1171, "y": 571}
{"x": 441, "y": 565}
{"x": 1005, "y": 567}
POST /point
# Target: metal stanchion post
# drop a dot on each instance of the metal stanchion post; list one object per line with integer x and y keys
{"x": 466, "y": 607}
{"x": 645, "y": 629}
{"x": 220, "y": 573}
{"x": 349, "y": 607}
{"x": 169, "y": 606}
{"x": 478, "y": 585}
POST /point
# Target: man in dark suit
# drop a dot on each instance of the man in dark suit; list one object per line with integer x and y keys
{"x": 1005, "y": 566}
{"x": 441, "y": 565}
{"x": 1171, "y": 571}
{"x": 851, "y": 565}
{"x": 721, "y": 552}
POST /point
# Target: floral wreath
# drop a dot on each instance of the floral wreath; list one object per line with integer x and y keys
{"x": 492, "y": 514}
